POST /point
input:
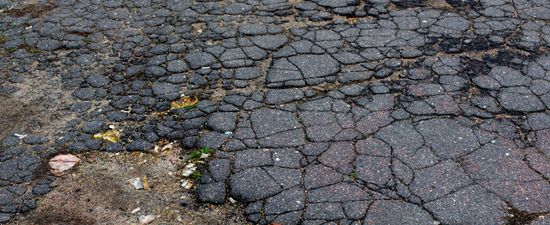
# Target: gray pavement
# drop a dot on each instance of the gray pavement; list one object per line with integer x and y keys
{"x": 318, "y": 111}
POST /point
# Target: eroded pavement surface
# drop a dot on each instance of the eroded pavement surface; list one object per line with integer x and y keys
{"x": 318, "y": 112}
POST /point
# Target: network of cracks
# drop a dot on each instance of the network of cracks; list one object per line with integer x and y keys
{"x": 318, "y": 112}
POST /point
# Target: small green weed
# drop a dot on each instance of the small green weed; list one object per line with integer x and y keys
{"x": 353, "y": 176}
{"x": 85, "y": 40}
{"x": 196, "y": 154}
{"x": 196, "y": 176}
{"x": 206, "y": 150}
{"x": 190, "y": 107}
{"x": 156, "y": 41}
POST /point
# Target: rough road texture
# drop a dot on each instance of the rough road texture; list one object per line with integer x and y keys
{"x": 319, "y": 111}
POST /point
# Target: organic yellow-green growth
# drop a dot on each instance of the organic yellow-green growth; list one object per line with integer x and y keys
{"x": 111, "y": 135}
{"x": 185, "y": 102}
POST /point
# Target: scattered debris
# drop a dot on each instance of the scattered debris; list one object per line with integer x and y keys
{"x": 147, "y": 219}
{"x": 176, "y": 160}
{"x": 167, "y": 147}
{"x": 187, "y": 185}
{"x": 190, "y": 166}
{"x": 21, "y": 136}
{"x": 135, "y": 210}
{"x": 111, "y": 135}
{"x": 186, "y": 101}
{"x": 228, "y": 132}
{"x": 137, "y": 183}
{"x": 145, "y": 183}
{"x": 232, "y": 200}
{"x": 188, "y": 170}
{"x": 164, "y": 150}
{"x": 62, "y": 163}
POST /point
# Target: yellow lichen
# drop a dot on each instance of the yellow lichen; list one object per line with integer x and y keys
{"x": 111, "y": 135}
{"x": 186, "y": 101}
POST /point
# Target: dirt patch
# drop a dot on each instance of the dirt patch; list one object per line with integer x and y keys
{"x": 12, "y": 114}
{"x": 434, "y": 4}
{"x": 519, "y": 217}
{"x": 462, "y": 3}
{"x": 94, "y": 200}
{"x": 40, "y": 105}
{"x": 98, "y": 191}
{"x": 33, "y": 7}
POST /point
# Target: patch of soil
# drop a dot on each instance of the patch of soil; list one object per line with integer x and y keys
{"x": 409, "y": 3}
{"x": 12, "y": 114}
{"x": 434, "y": 4}
{"x": 99, "y": 192}
{"x": 461, "y": 3}
{"x": 32, "y": 6}
{"x": 519, "y": 217}
{"x": 39, "y": 106}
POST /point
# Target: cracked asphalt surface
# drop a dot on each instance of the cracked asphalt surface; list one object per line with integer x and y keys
{"x": 318, "y": 111}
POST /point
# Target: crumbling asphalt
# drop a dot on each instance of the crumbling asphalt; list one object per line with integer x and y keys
{"x": 318, "y": 111}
